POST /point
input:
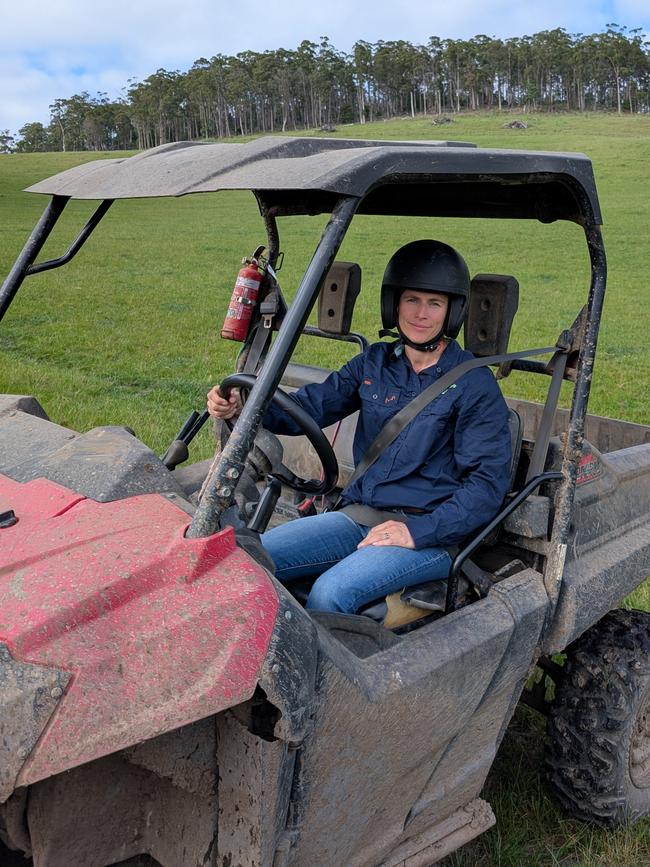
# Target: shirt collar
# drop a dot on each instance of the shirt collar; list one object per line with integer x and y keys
{"x": 450, "y": 357}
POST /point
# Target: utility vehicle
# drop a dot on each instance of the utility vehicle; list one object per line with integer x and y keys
{"x": 163, "y": 699}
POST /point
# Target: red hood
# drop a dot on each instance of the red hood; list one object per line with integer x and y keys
{"x": 156, "y": 630}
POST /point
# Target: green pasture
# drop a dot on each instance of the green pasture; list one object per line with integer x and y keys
{"x": 128, "y": 333}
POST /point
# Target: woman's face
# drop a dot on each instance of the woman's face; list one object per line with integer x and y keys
{"x": 421, "y": 315}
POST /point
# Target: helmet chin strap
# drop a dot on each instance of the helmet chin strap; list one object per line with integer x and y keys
{"x": 429, "y": 346}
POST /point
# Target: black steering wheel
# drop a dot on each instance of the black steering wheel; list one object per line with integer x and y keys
{"x": 310, "y": 429}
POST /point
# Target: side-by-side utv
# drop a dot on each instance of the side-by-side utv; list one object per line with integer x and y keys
{"x": 165, "y": 700}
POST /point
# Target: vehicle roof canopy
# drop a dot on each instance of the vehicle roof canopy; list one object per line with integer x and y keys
{"x": 307, "y": 175}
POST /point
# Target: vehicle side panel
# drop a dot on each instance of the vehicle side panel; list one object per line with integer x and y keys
{"x": 390, "y": 753}
{"x": 608, "y": 555}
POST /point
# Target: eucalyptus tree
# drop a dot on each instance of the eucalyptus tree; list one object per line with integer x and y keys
{"x": 333, "y": 85}
{"x": 7, "y": 142}
{"x": 35, "y": 138}
{"x": 396, "y": 71}
{"x": 452, "y": 65}
{"x": 363, "y": 75}
{"x": 221, "y": 114}
{"x": 625, "y": 56}
{"x": 615, "y": 49}
{"x": 200, "y": 89}
{"x": 158, "y": 108}
{"x": 305, "y": 93}
{"x": 284, "y": 87}
{"x": 68, "y": 117}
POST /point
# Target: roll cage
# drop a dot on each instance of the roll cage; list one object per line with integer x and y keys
{"x": 290, "y": 176}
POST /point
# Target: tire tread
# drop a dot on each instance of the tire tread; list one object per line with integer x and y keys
{"x": 592, "y": 718}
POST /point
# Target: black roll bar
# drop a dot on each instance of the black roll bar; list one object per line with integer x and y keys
{"x": 24, "y": 265}
{"x": 350, "y": 337}
{"x": 77, "y": 244}
{"x": 30, "y": 251}
{"x": 576, "y": 428}
{"x": 468, "y": 550}
{"x": 220, "y": 489}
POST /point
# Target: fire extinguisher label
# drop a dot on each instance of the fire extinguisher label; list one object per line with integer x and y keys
{"x": 246, "y": 283}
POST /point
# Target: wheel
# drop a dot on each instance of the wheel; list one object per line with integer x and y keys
{"x": 598, "y": 744}
{"x": 325, "y": 452}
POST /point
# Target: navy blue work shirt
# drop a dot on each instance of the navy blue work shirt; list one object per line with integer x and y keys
{"x": 452, "y": 460}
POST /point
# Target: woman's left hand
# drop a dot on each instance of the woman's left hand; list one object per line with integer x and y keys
{"x": 388, "y": 533}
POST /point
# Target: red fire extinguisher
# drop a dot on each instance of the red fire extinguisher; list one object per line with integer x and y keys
{"x": 244, "y": 297}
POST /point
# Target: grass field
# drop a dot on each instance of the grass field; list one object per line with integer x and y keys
{"x": 128, "y": 334}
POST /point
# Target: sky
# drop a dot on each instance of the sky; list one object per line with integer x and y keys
{"x": 53, "y": 49}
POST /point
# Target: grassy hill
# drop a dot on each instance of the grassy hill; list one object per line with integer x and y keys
{"x": 128, "y": 331}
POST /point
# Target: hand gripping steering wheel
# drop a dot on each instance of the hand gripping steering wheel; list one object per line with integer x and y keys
{"x": 310, "y": 429}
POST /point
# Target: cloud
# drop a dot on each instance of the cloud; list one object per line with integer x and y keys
{"x": 61, "y": 47}
{"x": 29, "y": 84}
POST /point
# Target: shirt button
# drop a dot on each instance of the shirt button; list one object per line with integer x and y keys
{"x": 374, "y": 397}
{"x": 410, "y": 394}
{"x": 438, "y": 370}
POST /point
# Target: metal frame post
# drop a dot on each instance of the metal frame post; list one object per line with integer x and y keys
{"x": 220, "y": 490}
{"x": 575, "y": 431}
{"x": 30, "y": 251}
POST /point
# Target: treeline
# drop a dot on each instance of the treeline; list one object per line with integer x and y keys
{"x": 317, "y": 86}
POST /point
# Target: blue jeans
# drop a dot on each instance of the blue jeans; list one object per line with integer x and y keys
{"x": 325, "y": 547}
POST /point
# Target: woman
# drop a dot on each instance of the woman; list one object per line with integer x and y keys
{"x": 444, "y": 476}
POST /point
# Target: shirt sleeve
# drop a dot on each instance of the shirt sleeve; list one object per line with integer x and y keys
{"x": 326, "y": 402}
{"x": 482, "y": 457}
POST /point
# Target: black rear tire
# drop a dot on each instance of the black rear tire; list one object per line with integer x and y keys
{"x": 598, "y": 745}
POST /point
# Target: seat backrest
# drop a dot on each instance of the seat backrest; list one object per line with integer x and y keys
{"x": 337, "y": 297}
{"x": 493, "y": 302}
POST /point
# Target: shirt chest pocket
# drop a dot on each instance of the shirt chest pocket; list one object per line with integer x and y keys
{"x": 431, "y": 428}
{"x": 379, "y": 400}
{"x": 441, "y": 407}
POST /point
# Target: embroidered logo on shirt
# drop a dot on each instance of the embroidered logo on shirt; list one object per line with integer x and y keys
{"x": 390, "y": 398}
{"x": 367, "y": 382}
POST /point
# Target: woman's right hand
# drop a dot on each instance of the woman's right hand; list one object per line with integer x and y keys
{"x": 219, "y": 407}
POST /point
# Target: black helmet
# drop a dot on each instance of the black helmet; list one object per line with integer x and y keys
{"x": 427, "y": 266}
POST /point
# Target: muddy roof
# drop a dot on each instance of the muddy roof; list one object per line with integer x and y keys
{"x": 307, "y": 175}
